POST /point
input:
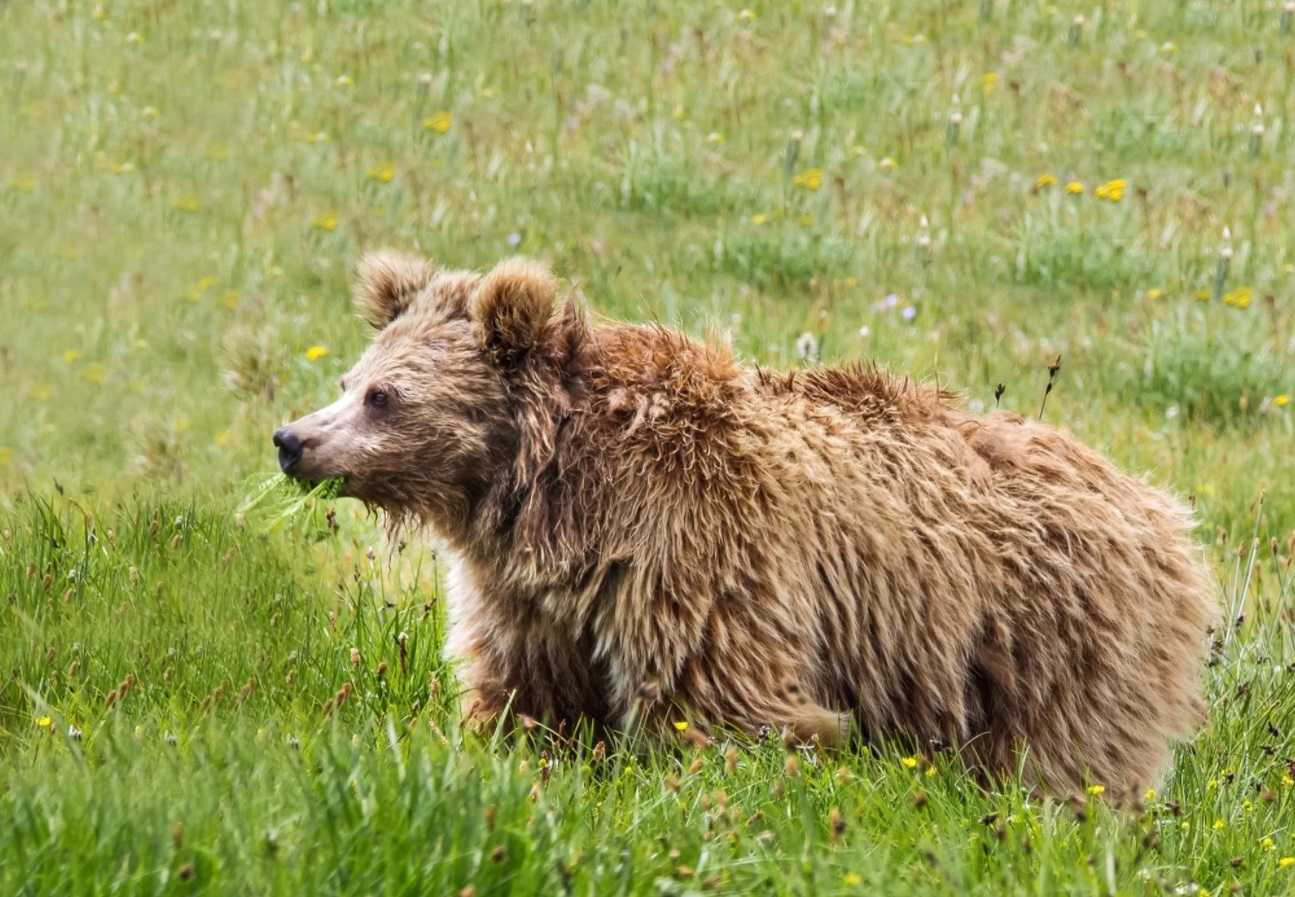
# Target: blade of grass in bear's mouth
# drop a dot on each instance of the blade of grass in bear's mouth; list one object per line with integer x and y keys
{"x": 281, "y": 497}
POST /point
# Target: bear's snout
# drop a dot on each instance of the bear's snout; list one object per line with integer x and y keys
{"x": 289, "y": 449}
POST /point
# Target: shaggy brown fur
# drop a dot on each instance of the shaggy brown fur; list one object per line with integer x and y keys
{"x": 640, "y": 526}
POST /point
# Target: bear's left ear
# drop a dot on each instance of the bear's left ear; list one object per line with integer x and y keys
{"x": 511, "y": 308}
{"x": 386, "y": 283}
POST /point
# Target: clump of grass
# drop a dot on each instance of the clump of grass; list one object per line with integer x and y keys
{"x": 277, "y": 499}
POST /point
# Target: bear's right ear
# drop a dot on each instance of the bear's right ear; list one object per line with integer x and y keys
{"x": 386, "y": 283}
{"x": 511, "y": 309}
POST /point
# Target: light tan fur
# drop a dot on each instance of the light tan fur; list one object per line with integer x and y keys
{"x": 641, "y": 527}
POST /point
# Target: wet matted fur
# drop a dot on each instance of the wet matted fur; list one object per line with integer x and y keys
{"x": 639, "y": 524}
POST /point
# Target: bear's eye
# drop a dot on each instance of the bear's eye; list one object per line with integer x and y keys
{"x": 377, "y": 399}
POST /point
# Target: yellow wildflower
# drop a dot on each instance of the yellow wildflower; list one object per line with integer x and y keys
{"x": 715, "y": 137}
{"x": 1074, "y": 188}
{"x": 1150, "y": 795}
{"x": 314, "y": 353}
{"x": 1155, "y": 293}
{"x": 1282, "y": 401}
{"x": 206, "y": 283}
{"x": 989, "y": 82}
{"x": 888, "y": 164}
{"x": 806, "y": 220}
{"x": 931, "y": 771}
{"x": 386, "y": 172}
{"x": 222, "y": 438}
{"x": 810, "y": 180}
{"x": 760, "y": 219}
{"x": 186, "y": 204}
{"x": 1241, "y": 297}
{"x": 71, "y": 355}
{"x": 229, "y": 299}
{"x": 326, "y": 221}
{"x": 1096, "y": 789}
{"x": 40, "y": 392}
{"x": 1111, "y": 191}
{"x": 1267, "y": 844}
{"x": 134, "y": 38}
{"x": 345, "y": 81}
{"x": 440, "y": 123}
{"x": 1287, "y": 780}
{"x": 44, "y": 722}
{"x": 681, "y": 725}
{"x": 1219, "y": 825}
{"x": 747, "y": 15}
{"x": 6, "y": 457}
{"x": 1286, "y": 862}
{"x": 851, "y": 878}
{"x": 909, "y": 762}
{"x": 1044, "y": 181}
{"x": 94, "y": 372}
{"x": 23, "y": 182}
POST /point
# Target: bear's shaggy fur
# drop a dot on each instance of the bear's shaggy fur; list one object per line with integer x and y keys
{"x": 644, "y": 530}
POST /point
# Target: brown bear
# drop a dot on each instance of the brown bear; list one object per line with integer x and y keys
{"x": 644, "y": 531}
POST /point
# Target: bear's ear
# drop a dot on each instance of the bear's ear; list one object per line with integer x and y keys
{"x": 386, "y": 283}
{"x": 511, "y": 309}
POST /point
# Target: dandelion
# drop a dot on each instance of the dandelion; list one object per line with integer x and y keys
{"x": 1111, "y": 191}
{"x": 989, "y": 82}
{"x": 888, "y": 164}
{"x": 811, "y": 179}
{"x": 1095, "y": 790}
{"x": 909, "y": 762}
{"x": 71, "y": 355}
{"x": 43, "y": 722}
{"x": 440, "y": 123}
{"x": 807, "y": 347}
{"x": 1282, "y": 401}
{"x": 1241, "y": 297}
{"x": 314, "y": 353}
{"x": 851, "y": 878}
{"x": 185, "y": 204}
{"x": 931, "y": 772}
{"x": 1045, "y": 181}
{"x": 386, "y": 172}
{"x": 1287, "y": 781}
{"x": 681, "y": 725}
{"x": 1286, "y": 862}
{"x": 1074, "y": 188}
{"x": 1219, "y": 825}
{"x": 327, "y": 221}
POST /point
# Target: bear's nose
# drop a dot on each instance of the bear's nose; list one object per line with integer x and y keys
{"x": 289, "y": 449}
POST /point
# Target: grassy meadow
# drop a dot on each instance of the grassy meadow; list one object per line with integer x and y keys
{"x": 194, "y": 701}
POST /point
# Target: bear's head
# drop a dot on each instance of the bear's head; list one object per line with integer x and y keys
{"x": 430, "y": 422}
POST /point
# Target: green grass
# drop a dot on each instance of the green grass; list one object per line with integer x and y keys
{"x": 183, "y": 191}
